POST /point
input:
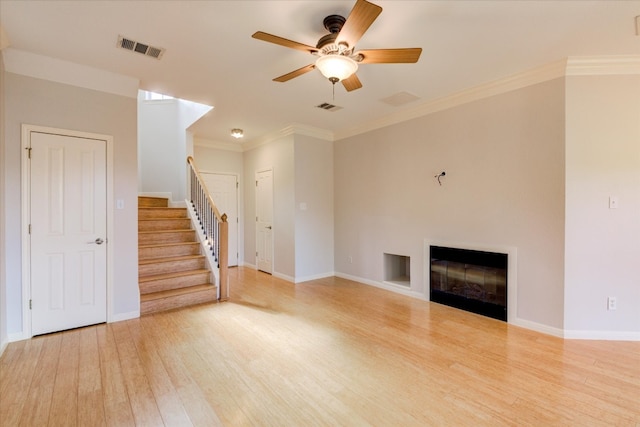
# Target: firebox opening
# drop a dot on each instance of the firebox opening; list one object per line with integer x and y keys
{"x": 471, "y": 280}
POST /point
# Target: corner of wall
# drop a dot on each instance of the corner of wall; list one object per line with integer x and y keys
{"x": 3, "y": 283}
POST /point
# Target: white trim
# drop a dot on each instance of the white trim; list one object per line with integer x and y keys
{"x": 59, "y": 71}
{"x": 293, "y": 129}
{"x": 26, "y": 209}
{"x": 18, "y": 336}
{"x": 603, "y": 335}
{"x": 282, "y": 276}
{"x": 398, "y": 289}
{"x": 125, "y": 316}
{"x": 603, "y": 65}
{"x": 204, "y": 247}
{"x": 512, "y": 269}
{"x": 274, "y": 274}
{"x": 496, "y": 87}
{"x": 3, "y": 347}
{"x": 315, "y": 277}
{"x": 571, "y": 66}
{"x": 537, "y": 327}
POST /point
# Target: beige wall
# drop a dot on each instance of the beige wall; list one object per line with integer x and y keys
{"x": 504, "y": 186}
{"x": 44, "y": 103}
{"x": 314, "y": 244}
{"x": 602, "y": 244}
{"x": 279, "y": 156}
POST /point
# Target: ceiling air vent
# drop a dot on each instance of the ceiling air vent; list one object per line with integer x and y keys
{"x": 145, "y": 49}
{"x": 328, "y": 107}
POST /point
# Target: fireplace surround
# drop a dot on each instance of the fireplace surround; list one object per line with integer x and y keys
{"x": 479, "y": 280}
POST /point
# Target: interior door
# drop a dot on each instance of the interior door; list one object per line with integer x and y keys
{"x": 68, "y": 218}
{"x": 224, "y": 191}
{"x": 264, "y": 221}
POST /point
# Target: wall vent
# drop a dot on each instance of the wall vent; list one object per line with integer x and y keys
{"x": 145, "y": 49}
{"x": 328, "y": 107}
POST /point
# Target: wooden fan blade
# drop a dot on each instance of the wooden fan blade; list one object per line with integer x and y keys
{"x": 294, "y": 74}
{"x": 352, "y": 83}
{"x": 360, "y": 19}
{"x": 283, "y": 42}
{"x": 390, "y": 56}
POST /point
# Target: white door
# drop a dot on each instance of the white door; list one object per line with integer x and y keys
{"x": 264, "y": 221}
{"x": 224, "y": 191}
{"x": 68, "y": 218}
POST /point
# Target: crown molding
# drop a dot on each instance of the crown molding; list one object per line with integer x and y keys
{"x": 59, "y": 71}
{"x": 496, "y": 87}
{"x": 603, "y": 65}
{"x": 292, "y": 129}
{"x": 571, "y": 66}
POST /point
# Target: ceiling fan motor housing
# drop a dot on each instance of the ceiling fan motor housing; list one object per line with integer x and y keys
{"x": 334, "y": 23}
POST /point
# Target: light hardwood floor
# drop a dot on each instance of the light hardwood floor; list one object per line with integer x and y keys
{"x": 329, "y": 352}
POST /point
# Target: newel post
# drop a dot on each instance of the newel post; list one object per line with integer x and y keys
{"x": 224, "y": 258}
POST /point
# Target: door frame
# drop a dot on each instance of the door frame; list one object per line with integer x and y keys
{"x": 255, "y": 228}
{"x": 25, "y": 190}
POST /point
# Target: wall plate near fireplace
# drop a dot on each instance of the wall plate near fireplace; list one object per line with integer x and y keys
{"x": 479, "y": 279}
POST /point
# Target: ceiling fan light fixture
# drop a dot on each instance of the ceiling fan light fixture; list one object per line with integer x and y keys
{"x": 336, "y": 67}
{"x": 237, "y": 133}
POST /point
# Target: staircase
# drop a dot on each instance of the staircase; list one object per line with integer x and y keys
{"x": 172, "y": 272}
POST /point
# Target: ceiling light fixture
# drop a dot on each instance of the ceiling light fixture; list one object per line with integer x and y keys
{"x": 237, "y": 133}
{"x": 336, "y": 67}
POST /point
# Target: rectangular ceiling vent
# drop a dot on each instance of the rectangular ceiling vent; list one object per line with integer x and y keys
{"x": 145, "y": 49}
{"x": 328, "y": 107}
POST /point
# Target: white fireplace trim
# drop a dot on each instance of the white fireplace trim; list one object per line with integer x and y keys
{"x": 512, "y": 273}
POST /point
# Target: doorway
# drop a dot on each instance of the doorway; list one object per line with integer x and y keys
{"x": 224, "y": 190}
{"x": 264, "y": 221}
{"x": 66, "y": 205}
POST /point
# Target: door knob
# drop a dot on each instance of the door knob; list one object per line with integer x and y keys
{"x": 98, "y": 241}
{"x": 268, "y": 227}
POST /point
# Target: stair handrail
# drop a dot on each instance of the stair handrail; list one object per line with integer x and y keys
{"x": 214, "y": 225}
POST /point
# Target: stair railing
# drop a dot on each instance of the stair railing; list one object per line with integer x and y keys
{"x": 214, "y": 226}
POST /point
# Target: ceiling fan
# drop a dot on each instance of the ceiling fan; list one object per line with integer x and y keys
{"x": 337, "y": 58}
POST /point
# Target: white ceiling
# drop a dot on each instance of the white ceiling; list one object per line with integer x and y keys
{"x": 211, "y": 58}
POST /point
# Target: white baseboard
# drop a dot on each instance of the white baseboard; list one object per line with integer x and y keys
{"x": 603, "y": 335}
{"x": 119, "y": 317}
{"x": 274, "y": 274}
{"x": 283, "y": 277}
{"x": 3, "y": 346}
{"x": 538, "y": 327}
{"x": 315, "y": 277}
{"x": 386, "y": 286}
{"x": 18, "y": 336}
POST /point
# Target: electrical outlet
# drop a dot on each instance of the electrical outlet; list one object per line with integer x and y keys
{"x": 613, "y": 202}
{"x": 612, "y": 304}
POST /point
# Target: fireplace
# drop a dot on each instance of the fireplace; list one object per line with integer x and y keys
{"x": 470, "y": 280}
